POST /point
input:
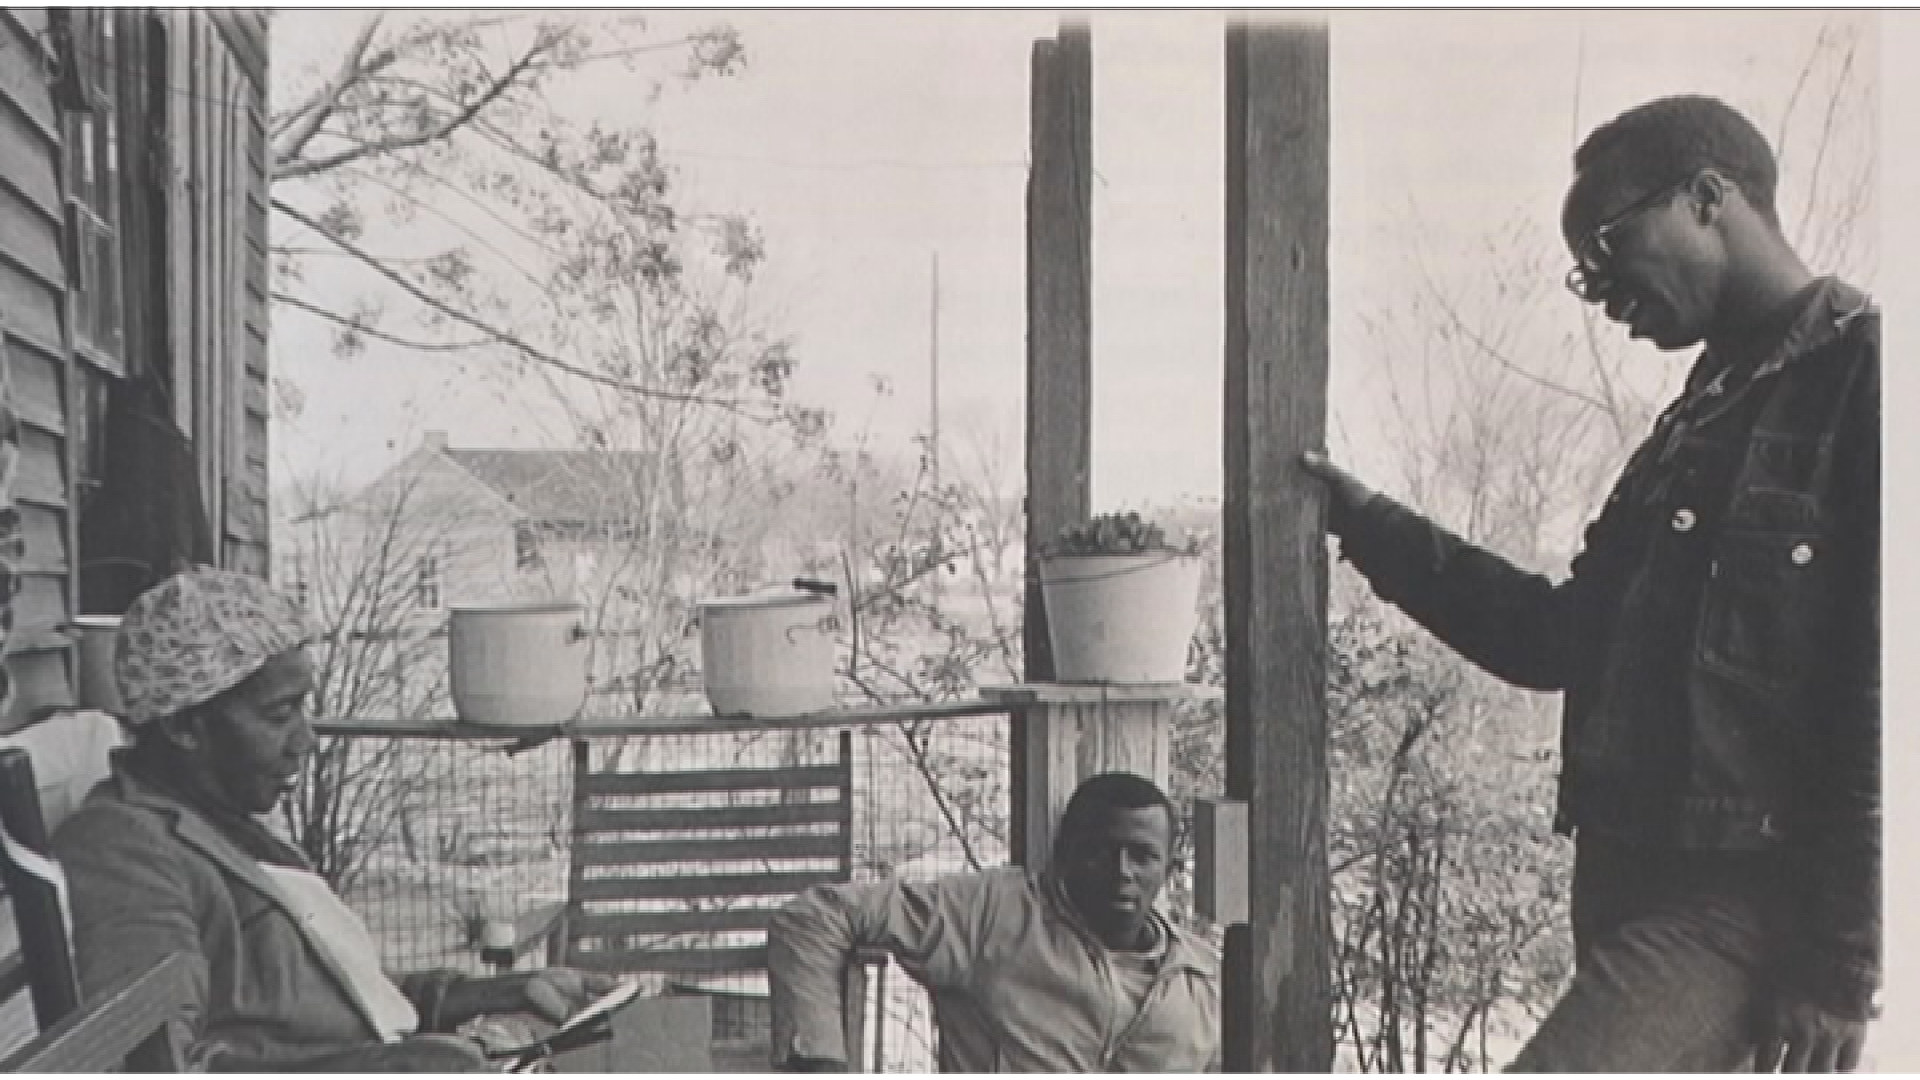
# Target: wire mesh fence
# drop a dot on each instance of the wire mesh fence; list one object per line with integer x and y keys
{"x": 432, "y": 838}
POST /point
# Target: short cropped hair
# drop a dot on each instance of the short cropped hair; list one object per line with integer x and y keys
{"x": 1668, "y": 140}
{"x": 1107, "y": 792}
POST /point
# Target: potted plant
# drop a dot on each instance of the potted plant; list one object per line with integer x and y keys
{"x": 1121, "y": 601}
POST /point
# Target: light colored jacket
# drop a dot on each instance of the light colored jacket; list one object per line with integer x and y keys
{"x": 1018, "y": 982}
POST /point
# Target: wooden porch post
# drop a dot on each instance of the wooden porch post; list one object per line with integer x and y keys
{"x": 1074, "y": 732}
{"x": 1059, "y": 356}
{"x": 1277, "y": 1014}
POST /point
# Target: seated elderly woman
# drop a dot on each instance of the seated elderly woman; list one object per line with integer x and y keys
{"x": 169, "y": 855}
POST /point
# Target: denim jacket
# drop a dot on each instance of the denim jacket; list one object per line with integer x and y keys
{"x": 1779, "y": 747}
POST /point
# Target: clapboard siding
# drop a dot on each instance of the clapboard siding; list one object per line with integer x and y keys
{"x": 40, "y": 606}
{"x": 194, "y": 277}
{"x": 43, "y": 469}
{"x": 23, "y": 81}
{"x": 39, "y": 386}
{"x": 34, "y": 343}
{"x": 46, "y": 531}
{"x": 25, "y": 163}
{"x": 31, "y": 242}
{"x": 220, "y": 244}
{"x": 35, "y": 346}
{"x": 32, "y": 312}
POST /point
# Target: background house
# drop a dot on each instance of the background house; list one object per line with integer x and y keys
{"x": 133, "y": 306}
{"x": 448, "y": 526}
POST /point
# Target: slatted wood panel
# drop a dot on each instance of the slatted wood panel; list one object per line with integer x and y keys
{"x": 724, "y": 817}
{"x": 679, "y": 871}
{"x": 34, "y": 336}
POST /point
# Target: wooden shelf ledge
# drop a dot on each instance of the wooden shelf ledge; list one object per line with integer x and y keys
{"x": 992, "y": 700}
{"x": 1097, "y": 693}
{"x": 667, "y": 724}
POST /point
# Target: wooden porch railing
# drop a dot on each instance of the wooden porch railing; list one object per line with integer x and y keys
{"x": 1069, "y": 733}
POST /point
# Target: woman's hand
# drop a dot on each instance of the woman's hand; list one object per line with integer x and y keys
{"x": 551, "y": 994}
{"x": 557, "y": 993}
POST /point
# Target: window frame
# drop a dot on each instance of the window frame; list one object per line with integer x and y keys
{"x": 429, "y": 593}
{"x": 93, "y": 138}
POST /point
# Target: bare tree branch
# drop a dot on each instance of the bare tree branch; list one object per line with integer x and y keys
{"x": 360, "y": 327}
{"x": 313, "y": 114}
{"x": 1826, "y": 128}
{"x": 495, "y": 333}
{"x": 292, "y": 168}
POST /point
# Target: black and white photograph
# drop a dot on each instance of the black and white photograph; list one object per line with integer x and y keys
{"x": 914, "y": 540}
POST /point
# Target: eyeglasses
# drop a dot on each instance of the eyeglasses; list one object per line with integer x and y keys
{"x": 1588, "y": 279}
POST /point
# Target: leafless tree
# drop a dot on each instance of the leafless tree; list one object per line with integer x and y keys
{"x": 433, "y": 160}
{"x": 368, "y": 570}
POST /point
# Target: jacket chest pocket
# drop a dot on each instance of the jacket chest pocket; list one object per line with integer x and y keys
{"x": 1765, "y": 609}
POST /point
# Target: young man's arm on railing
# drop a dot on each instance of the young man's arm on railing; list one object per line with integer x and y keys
{"x": 932, "y": 929}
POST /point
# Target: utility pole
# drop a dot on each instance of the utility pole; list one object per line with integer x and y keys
{"x": 933, "y": 440}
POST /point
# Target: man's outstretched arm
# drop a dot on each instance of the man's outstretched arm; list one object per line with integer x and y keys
{"x": 1518, "y": 625}
{"x": 931, "y": 928}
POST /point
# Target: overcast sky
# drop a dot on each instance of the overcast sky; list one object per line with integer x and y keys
{"x": 865, "y": 143}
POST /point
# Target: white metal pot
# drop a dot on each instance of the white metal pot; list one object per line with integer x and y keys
{"x": 768, "y": 654}
{"x": 517, "y": 665}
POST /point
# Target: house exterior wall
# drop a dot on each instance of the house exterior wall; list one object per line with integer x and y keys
{"x": 34, "y": 342}
{"x": 96, "y": 284}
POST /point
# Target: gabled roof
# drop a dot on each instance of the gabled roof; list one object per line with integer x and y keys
{"x": 562, "y": 485}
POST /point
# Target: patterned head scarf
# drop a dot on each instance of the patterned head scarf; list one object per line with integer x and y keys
{"x": 197, "y": 635}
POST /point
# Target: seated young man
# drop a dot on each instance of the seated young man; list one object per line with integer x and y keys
{"x": 1068, "y": 969}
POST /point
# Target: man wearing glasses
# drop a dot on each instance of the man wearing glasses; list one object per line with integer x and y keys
{"x": 1718, "y": 637}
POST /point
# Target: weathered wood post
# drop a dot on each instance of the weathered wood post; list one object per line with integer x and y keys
{"x": 1073, "y": 732}
{"x": 1278, "y": 1011}
{"x": 1059, "y": 347}
{"x": 1064, "y": 734}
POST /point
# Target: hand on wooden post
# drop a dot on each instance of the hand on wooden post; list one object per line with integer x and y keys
{"x": 1345, "y": 492}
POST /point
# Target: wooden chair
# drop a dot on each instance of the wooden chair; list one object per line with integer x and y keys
{"x": 127, "y": 1029}
{"x": 678, "y": 873}
{"x": 130, "y": 1023}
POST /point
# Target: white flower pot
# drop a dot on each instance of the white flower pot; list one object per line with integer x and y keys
{"x": 1121, "y": 619}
